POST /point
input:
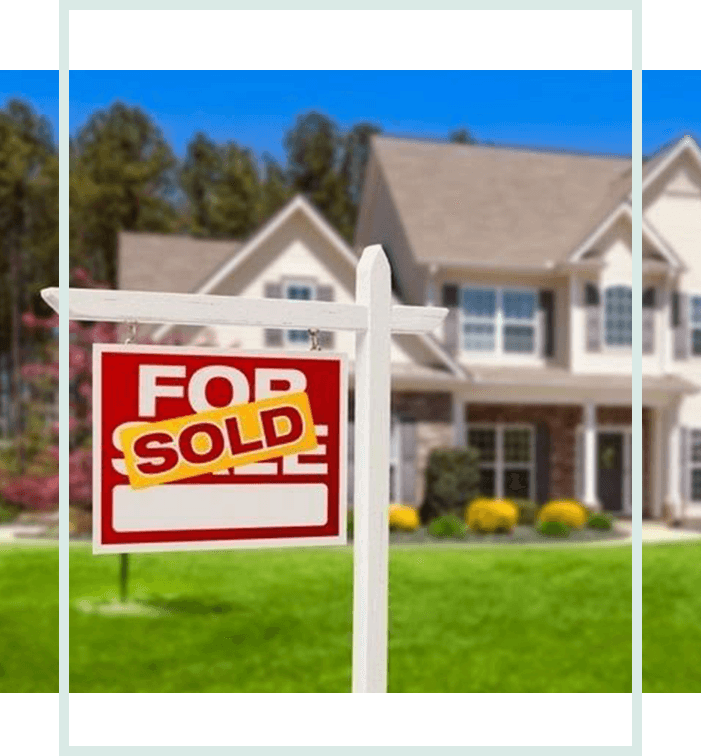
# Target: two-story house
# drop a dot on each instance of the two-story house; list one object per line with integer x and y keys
{"x": 672, "y": 329}
{"x": 531, "y": 252}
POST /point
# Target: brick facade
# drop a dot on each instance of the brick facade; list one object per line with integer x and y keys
{"x": 432, "y": 414}
{"x": 562, "y": 422}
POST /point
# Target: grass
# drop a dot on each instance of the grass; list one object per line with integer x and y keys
{"x": 461, "y": 620}
{"x": 28, "y": 618}
{"x": 672, "y": 618}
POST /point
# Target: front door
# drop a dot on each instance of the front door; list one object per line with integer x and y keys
{"x": 610, "y": 471}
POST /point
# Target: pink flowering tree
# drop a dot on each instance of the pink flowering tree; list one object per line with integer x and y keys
{"x": 30, "y": 479}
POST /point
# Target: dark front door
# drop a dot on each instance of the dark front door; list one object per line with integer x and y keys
{"x": 610, "y": 471}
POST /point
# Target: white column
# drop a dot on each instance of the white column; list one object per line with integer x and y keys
{"x": 590, "y": 452}
{"x": 673, "y": 498}
{"x": 372, "y": 419}
{"x": 458, "y": 421}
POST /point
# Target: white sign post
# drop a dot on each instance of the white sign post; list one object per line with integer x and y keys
{"x": 374, "y": 319}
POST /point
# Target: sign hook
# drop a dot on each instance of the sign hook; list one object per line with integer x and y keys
{"x": 314, "y": 334}
{"x": 131, "y": 336}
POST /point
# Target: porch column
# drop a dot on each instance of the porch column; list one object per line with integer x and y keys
{"x": 459, "y": 421}
{"x": 590, "y": 496}
{"x": 673, "y": 497}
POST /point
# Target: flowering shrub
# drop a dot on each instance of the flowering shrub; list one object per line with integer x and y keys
{"x": 29, "y": 474}
{"x": 402, "y": 517}
{"x": 491, "y": 515}
{"x": 566, "y": 511}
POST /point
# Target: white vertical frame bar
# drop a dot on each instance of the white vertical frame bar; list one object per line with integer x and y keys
{"x": 371, "y": 531}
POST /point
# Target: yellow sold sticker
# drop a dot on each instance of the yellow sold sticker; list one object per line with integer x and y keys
{"x": 214, "y": 440}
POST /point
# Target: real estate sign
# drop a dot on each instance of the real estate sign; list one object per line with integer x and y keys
{"x": 199, "y": 448}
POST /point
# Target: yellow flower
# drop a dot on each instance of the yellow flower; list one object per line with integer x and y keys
{"x": 491, "y": 515}
{"x": 567, "y": 511}
{"x": 402, "y": 517}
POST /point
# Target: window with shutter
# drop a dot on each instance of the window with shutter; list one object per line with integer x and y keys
{"x": 499, "y": 320}
{"x": 618, "y": 316}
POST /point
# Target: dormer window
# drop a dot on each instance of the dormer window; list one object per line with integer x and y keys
{"x": 618, "y": 316}
{"x": 499, "y": 320}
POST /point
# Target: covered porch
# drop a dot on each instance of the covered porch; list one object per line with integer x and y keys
{"x": 548, "y": 433}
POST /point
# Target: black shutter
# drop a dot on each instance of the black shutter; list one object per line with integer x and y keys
{"x": 542, "y": 463}
{"x": 273, "y": 336}
{"x": 547, "y": 307}
{"x": 591, "y": 295}
{"x": 325, "y": 294}
{"x": 451, "y": 295}
{"x": 680, "y": 317}
{"x": 674, "y": 310}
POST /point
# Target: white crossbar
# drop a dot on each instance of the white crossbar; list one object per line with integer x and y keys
{"x": 209, "y": 309}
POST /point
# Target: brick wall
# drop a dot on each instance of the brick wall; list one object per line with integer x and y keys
{"x": 562, "y": 421}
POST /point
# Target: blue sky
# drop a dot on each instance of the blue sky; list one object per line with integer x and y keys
{"x": 671, "y": 107}
{"x": 587, "y": 111}
{"x": 39, "y": 88}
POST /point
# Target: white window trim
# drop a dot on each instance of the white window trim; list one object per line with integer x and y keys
{"x": 627, "y": 433}
{"x": 692, "y": 465}
{"x": 500, "y": 321}
{"x": 286, "y": 284}
{"x": 691, "y": 325}
{"x": 499, "y": 463}
{"x": 617, "y": 348}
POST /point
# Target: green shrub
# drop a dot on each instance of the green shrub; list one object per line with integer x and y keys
{"x": 527, "y": 511}
{"x": 349, "y": 520}
{"x": 447, "y": 526}
{"x": 452, "y": 478}
{"x": 554, "y": 529}
{"x": 600, "y": 521}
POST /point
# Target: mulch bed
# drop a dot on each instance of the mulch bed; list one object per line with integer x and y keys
{"x": 522, "y": 534}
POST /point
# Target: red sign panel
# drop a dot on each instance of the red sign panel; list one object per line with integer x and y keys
{"x": 167, "y": 402}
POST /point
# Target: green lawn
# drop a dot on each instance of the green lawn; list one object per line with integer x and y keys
{"x": 461, "y": 620}
{"x": 672, "y": 618}
{"x": 28, "y": 618}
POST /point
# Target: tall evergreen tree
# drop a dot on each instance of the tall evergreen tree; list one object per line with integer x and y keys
{"x": 122, "y": 178}
{"x": 314, "y": 158}
{"x": 199, "y": 175}
{"x": 28, "y": 230}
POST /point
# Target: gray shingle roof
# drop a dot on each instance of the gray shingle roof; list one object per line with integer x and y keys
{"x": 169, "y": 262}
{"x": 474, "y": 203}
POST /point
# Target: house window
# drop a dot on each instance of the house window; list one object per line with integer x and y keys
{"x": 695, "y": 324}
{"x": 303, "y": 291}
{"x": 618, "y": 316}
{"x": 499, "y": 320}
{"x": 506, "y": 459}
{"x": 695, "y": 464}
